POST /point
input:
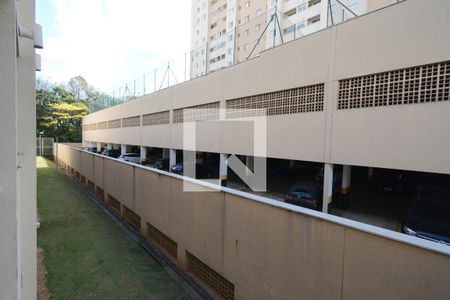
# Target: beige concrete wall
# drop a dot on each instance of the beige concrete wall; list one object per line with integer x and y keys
{"x": 272, "y": 250}
{"x": 8, "y": 180}
{"x": 18, "y": 160}
{"x": 87, "y": 166}
{"x": 378, "y": 137}
{"x": 98, "y": 172}
{"x": 119, "y": 182}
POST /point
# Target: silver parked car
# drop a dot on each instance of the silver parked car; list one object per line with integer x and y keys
{"x": 130, "y": 157}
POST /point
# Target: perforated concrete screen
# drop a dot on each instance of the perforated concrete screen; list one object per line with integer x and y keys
{"x": 162, "y": 240}
{"x": 92, "y": 126}
{"x": 213, "y": 279}
{"x": 156, "y": 118}
{"x": 115, "y": 123}
{"x": 209, "y": 111}
{"x": 292, "y": 101}
{"x": 131, "y": 121}
{"x": 103, "y": 125}
{"x": 429, "y": 83}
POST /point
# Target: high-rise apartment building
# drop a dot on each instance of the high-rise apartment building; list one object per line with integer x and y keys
{"x": 225, "y": 32}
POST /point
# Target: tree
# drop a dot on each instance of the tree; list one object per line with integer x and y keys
{"x": 59, "y": 113}
{"x": 81, "y": 89}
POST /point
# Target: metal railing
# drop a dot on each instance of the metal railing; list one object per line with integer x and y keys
{"x": 44, "y": 146}
{"x": 269, "y": 29}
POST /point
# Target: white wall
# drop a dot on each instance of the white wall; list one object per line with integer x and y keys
{"x": 413, "y": 136}
{"x": 18, "y": 163}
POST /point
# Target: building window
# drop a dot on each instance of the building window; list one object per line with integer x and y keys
{"x": 258, "y": 27}
{"x": 246, "y": 19}
{"x": 246, "y": 32}
{"x": 301, "y": 7}
{"x": 247, "y": 3}
{"x": 258, "y": 12}
{"x": 300, "y": 25}
{"x": 246, "y": 47}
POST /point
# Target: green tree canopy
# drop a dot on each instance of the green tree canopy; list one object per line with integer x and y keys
{"x": 59, "y": 112}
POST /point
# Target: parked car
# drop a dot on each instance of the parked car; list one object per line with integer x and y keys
{"x": 131, "y": 157}
{"x": 308, "y": 194}
{"x": 162, "y": 164}
{"x": 428, "y": 217}
{"x": 91, "y": 149}
{"x": 111, "y": 153}
{"x": 200, "y": 170}
{"x": 393, "y": 181}
{"x": 177, "y": 169}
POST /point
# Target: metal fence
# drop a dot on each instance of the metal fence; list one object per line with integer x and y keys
{"x": 275, "y": 27}
{"x": 44, "y": 146}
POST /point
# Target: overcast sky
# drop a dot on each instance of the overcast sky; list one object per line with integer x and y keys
{"x": 110, "y": 42}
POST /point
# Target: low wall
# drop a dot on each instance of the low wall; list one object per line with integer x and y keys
{"x": 243, "y": 246}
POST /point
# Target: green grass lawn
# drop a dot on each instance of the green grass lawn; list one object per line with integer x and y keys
{"x": 86, "y": 254}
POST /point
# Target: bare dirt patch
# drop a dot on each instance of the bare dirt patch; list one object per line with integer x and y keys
{"x": 42, "y": 290}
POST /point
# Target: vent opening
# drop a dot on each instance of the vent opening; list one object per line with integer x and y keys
{"x": 214, "y": 280}
{"x": 162, "y": 240}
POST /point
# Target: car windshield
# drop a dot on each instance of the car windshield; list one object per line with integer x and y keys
{"x": 438, "y": 211}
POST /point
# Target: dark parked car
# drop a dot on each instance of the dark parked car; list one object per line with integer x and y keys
{"x": 393, "y": 181}
{"x": 111, "y": 153}
{"x": 307, "y": 194}
{"x": 162, "y": 164}
{"x": 428, "y": 217}
{"x": 91, "y": 149}
{"x": 200, "y": 170}
{"x": 177, "y": 169}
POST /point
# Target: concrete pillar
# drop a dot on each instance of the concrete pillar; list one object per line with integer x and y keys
{"x": 346, "y": 177}
{"x": 109, "y": 146}
{"x": 123, "y": 149}
{"x": 143, "y": 154}
{"x": 327, "y": 186}
{"x": 99, "y": 147}
{"x": 166, "y": 153}
{"x": 223, "y": 169}
{"x": 172, "y": 158}
{"x": 250, "y": 163}
{"x": 370, "y": 173}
